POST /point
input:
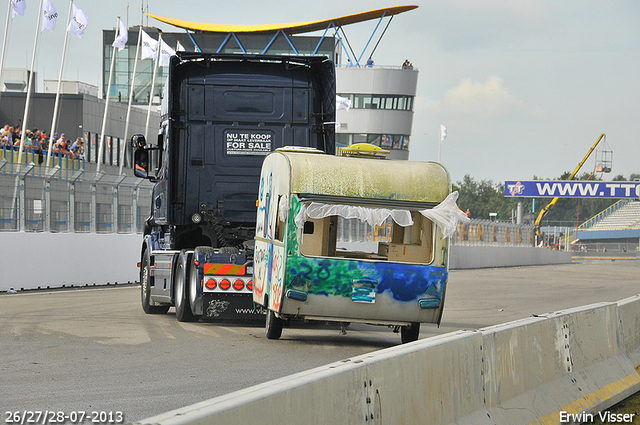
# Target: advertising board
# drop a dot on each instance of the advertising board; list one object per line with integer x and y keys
{"x": 571, "y": 189}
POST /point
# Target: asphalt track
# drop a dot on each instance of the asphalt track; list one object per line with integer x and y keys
{"x": 94, "y": 350}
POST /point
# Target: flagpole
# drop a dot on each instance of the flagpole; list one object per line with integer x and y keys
{"x": 106, "y": 105}
{"x": 54, "y": 121}
{"x": 4, "y": 47}
{"x": 443, "y": 135}
{"x": 133, "y": 80}
{"x": 26, "y": 106}
{"x": 153, "y": 84}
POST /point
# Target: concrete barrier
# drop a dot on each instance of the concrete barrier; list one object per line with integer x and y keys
{"x": 543, "y": 369}
{"x": 435, "y": 380}
{"x": 630, "y": 327}
{"x": 54, "y": 260}
{"x": 556, "y": 368}
{"x": 477, "y": 257}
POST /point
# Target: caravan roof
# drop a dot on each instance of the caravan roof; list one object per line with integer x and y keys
{"x": 363, "y": 178}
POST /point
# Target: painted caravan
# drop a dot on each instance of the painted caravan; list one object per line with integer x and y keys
{"x": 352, "y": 238}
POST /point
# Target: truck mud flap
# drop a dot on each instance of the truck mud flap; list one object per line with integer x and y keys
{"x": 231, "y": 307}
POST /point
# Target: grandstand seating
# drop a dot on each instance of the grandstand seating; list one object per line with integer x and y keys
{"x": 624, "y": 215}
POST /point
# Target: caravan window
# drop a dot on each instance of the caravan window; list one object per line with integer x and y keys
{"x": 337, "y": 236}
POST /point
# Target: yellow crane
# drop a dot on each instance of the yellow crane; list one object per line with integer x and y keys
{"x": 550, "y": 205}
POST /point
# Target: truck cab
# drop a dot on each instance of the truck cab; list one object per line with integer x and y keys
{"x": 221, "y": 115}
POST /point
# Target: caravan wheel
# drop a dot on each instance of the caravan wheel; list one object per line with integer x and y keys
{"x": 274, "y": 325}
{"x": 410, "y": 333}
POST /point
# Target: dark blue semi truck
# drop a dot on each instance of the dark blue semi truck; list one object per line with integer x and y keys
{"x": 221, "y": 115}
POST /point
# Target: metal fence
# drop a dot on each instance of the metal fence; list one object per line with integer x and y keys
{"x": 34, "y": 198}
{"x": 42, "y": 199}
{"x": 607, "y": 247}
{"x": 477, "y": 232}
{"x": 494, "y": 233}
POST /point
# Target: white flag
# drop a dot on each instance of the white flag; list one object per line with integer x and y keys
{"x": 50, "y": 16}
{"x": 443, "y": 132}
{"x": 149, "y": 47}
{"x": 78, "y": 23}
{"x": 165, "y": 53}
{"x": 121, "y": 39}
{"x": 343, "y": 103}
{"x": 19, "y": 7}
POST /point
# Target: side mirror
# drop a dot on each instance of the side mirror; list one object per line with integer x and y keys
{"x": 138, "y": 141}
{"x": 141, "y": 163}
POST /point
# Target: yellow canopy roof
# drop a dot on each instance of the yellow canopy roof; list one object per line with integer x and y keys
{"x": 291, "y": 28}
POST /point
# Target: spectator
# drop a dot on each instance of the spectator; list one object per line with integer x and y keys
{"x": 36, "y": 144}
{"x": 17, "y": 135}
{"x": 16, "y": 138}
{"x": 370, "y": 62}
{"x": 4, "y": 137}
{"x": 26, "y": 140}
{"x": 63, "y": 146}
{"x": 77, "y": 148}
{"x": 405, "y": 64}
{"x": 44, "y": 143}
{"x": 80, "y": 147}
{"x": 54, "y": 143}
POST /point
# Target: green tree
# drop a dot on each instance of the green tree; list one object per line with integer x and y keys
{"x": 485, "y": 197}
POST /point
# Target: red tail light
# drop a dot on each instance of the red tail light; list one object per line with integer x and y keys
{"x": 238, "y": 285}
{"x": 250, "y": 285}
{"x": 225, "y": 284}
{"x": 211, "y": 284}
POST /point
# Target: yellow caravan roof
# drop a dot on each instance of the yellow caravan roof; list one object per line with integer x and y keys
{"x": 290, "y": 28}
{"x": 397, "y": 180}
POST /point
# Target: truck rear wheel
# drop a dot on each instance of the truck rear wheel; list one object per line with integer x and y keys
{"x": 181, "y": 296}
{"x": 145, "y": 288}
{"x": 274, "y": 325}
{"x": 193, "y": 288}
{"x": 410, "y": 333}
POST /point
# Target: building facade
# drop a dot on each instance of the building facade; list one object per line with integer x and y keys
{"x": 381, "y": 111}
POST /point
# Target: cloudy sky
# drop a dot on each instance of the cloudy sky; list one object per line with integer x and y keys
{"x": 525, "y": 88}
